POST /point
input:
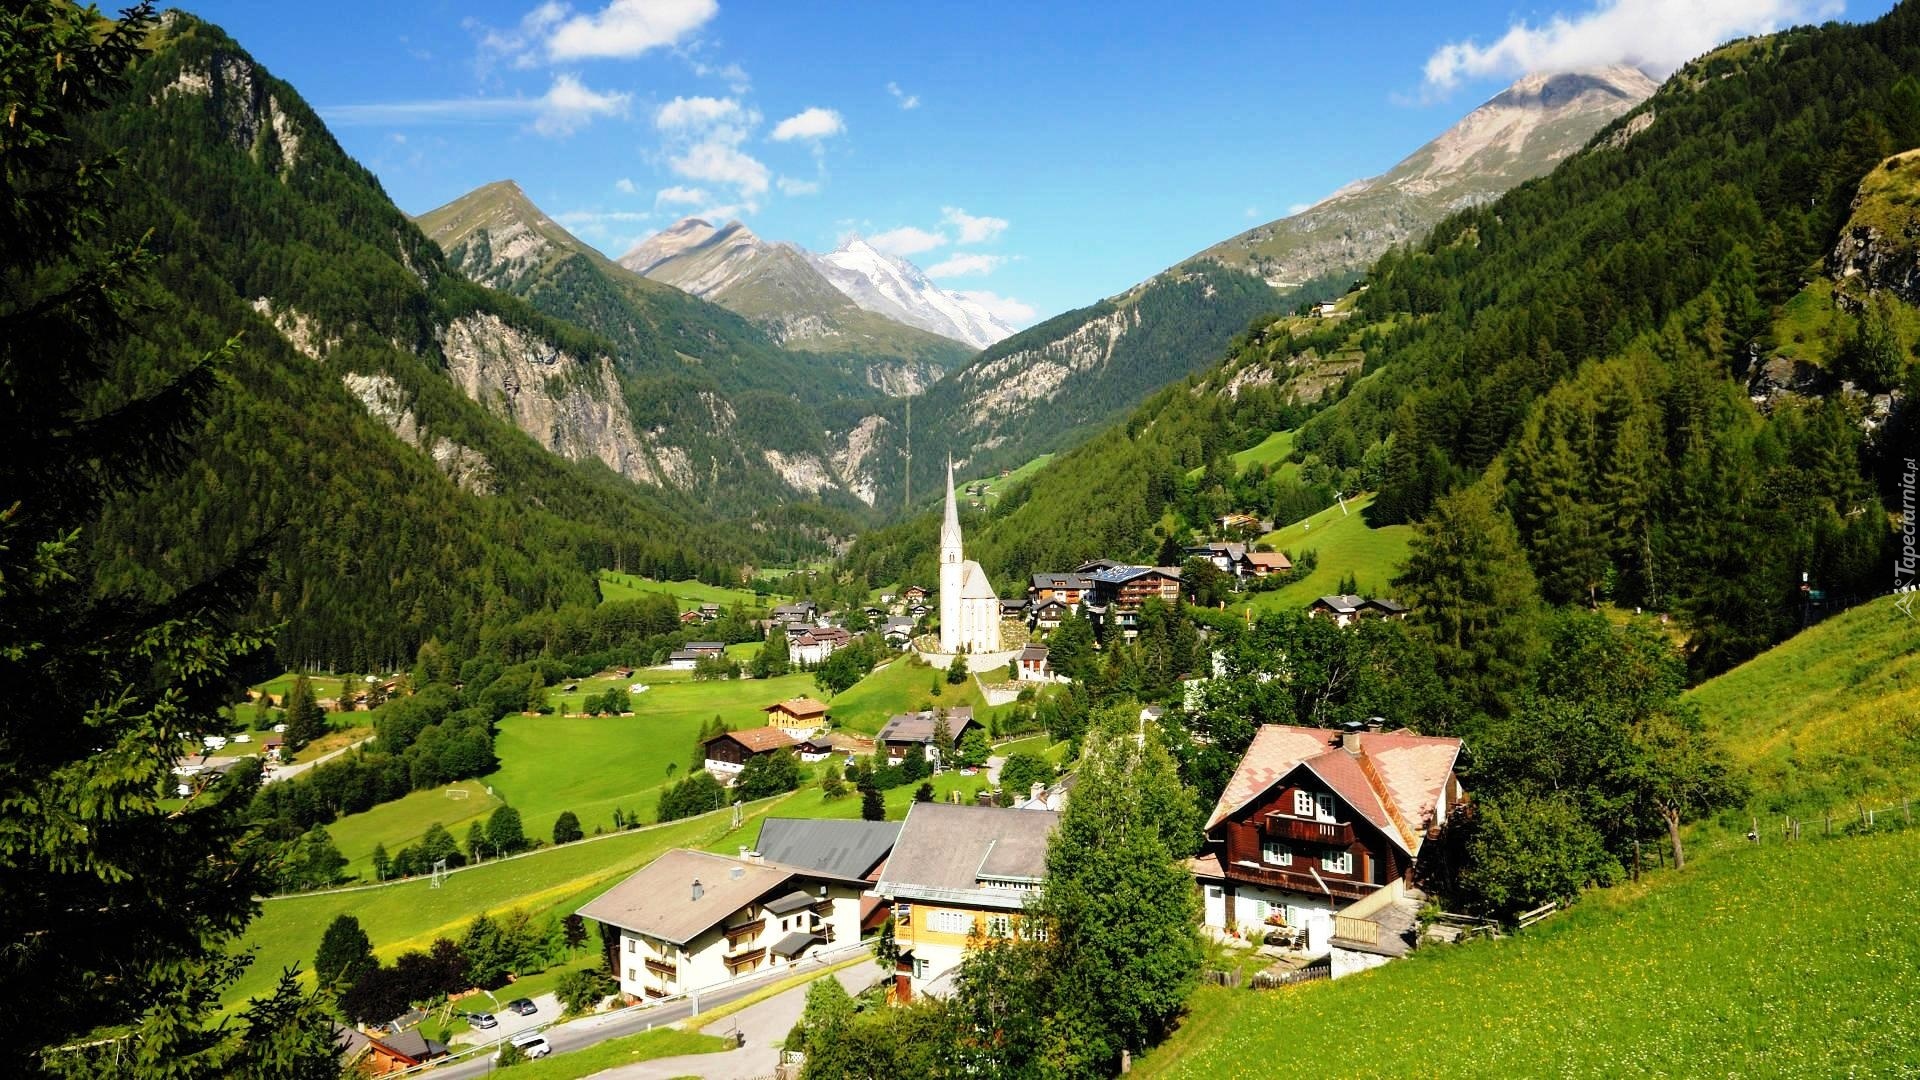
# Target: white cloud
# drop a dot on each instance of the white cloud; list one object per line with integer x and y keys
{"x": 567, "y": 106}
{"x": 686, "y": 196}
{"x": 625, "y": 186}
{"x": 702, "y": 114}
{"x": 973, "y": 230}
{"x": 718, "y": 162}
{"x": 961, "y": 263}
{"x": 1657, "y": 35}
{"x": 906, "y": 100}
{"x": 732, "y": 74}
{"x": 1004, "y": 308}
{"x": 906, "y": 240}
{"x": 814, "y": 123}
{"x": 626, "y": 28}
{"x": 789, "y": 186}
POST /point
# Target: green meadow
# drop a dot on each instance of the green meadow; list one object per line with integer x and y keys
{"x": 1346, "y": 546}
{"x": 689, "y": 594}
{"x": 1774, "y": 960}
{"x": 1828, "y": 719}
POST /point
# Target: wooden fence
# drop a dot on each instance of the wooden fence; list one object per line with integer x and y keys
{"x": 1269, "y": 980}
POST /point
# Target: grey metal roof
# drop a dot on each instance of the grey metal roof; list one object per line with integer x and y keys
{"x": 793, "y": 943}
{"x": 918, "y": 726}
{"x": 945, "y": 851}
{"x": 848, "y": 849}
{"x": 790, "y": 903}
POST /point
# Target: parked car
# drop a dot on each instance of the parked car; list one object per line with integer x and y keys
{"x": 531, "y": 1043}
{"x": 482, "y": 1021}
{"x": 523, "y": 1006}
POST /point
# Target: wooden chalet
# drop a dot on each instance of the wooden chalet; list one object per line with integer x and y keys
{"x": 727, "y": 753}
{"x": 1318, "y": 833}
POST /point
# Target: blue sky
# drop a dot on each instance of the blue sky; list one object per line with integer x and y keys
{"x": 1040, "y": 156}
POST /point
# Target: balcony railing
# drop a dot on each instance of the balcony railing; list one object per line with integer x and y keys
{"x": 663, "y": 969}
{"x": 1301, "y": 881}
{"x": 738, "y": 934}
{"x": 739, "y": 960}
{"x": 1280, "y": 826}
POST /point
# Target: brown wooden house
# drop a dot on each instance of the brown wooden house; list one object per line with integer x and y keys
{"x": 727, "y": 753}
{"x": 1320, "y": 829}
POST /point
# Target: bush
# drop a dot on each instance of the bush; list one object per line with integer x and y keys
{"x": 566, "y": 828}
{"x": 582, "y": 989}
{"x": 697, "y": 794}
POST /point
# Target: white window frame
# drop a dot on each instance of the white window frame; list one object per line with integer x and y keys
{"x": 1337, "y": 862}
{"x": 999, "y": 926}
{"x": 1276, "y": 853}
{"x": 630, "y": 945}
{"x": 632, "y": 975}
{"x": 1323, "y": 805}
{"x": 950, "y": 922}
{"x": 1302, "y": 803}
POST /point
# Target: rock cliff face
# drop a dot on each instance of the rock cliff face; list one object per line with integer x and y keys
{"x": 571, "y": 405}
{"x": 1019, "y": 381}
{"x": 249, "y": 111}
{"x": 387, "y": 402}
{"x": 1879, "y": 248}
{"x": 853, "y": 460}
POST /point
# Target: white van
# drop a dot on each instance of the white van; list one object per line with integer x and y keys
{"x": 531, "y": 1043}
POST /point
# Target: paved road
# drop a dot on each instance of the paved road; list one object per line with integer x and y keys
{"x": 764, "y": 1024}
{"x": 288, "y": 772}
{"x": 598, "y": 1029}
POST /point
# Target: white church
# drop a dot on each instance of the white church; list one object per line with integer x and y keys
{"x": 969, "y": 611}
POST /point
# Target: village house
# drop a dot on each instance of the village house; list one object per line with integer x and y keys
{"x": 845, "y": 849}
{"x": 378, "y": 1055}
{"x": 1245, "y": 523}
{"x": 910, "y": 732}
{"x": 1032, "y": 665}
{"x": 898, "y": 631}
{"x": 727, "y": 753}
{"x": 1048, "y": 614}
{"x": 689, "y": 617}
{"x": 1067, "y": 589}
{"x": 1347, "y": 609}
{"x": 689, "y": 655}
{"x": 798, "y": 613}
{"x": 709, "y": 612}
{"x": 957, "y": 870}
{"x": 691, "y": 920}
{"x": 815, "y": 645}
{"x": 1014, "y": 609}
{"x": 798, "y": 717}
{"x": 1316, "y": 838}
{"x": 1119, "y": 592}
{"x": 914, "y": 594}
{"x": 814, "y": 748}
{"x": 1226, "y": 556}
{"x": 1260, "y": 564}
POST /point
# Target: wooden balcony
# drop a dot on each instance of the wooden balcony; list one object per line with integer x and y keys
{"x": 663, "y": 969}
{"x": 1298, "y": 881}
{"x": 1280, "y": 826}
{"x": 736, "y": 961}
{"x": 738, "y": 934}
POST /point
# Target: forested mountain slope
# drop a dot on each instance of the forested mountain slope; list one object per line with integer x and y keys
{"x": 1055, "y": 384}
{"x": 393, "y": 506}
{"x": 1588, "y": 348}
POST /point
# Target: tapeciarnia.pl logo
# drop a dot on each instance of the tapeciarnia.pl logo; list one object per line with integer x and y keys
{"x": 1908, "y": 564}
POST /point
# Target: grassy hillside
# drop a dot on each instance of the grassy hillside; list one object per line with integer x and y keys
{"x": 1757, "y": 962}
{"x": 1829, "y": 717}
{"x": 690, "y": 594}
{"x": 1346, "y": 545}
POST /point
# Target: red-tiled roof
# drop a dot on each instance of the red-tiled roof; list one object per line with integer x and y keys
{"x": 1394, "y": 781}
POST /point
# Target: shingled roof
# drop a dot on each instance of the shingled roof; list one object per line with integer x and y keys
{"x": 658, "y": 899}
{"x": 1393, "y": 779}
{"x": 757, "y": 740}
{"x": 977, "y": 855}
{"x": 846, "y": 848}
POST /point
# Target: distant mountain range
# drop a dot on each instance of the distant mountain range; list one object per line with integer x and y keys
{"x": 806, "y": 300}
{"x": 1054, "y": 383}
{"x": 1520, "y": 133}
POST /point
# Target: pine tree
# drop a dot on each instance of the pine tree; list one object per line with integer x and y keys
{"x": 872, "y": 806}
{"x": 306, "y": 721}
{"x": 101, "y": 885}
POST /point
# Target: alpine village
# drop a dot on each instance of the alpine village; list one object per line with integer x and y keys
{"x": 1462, "y": 627}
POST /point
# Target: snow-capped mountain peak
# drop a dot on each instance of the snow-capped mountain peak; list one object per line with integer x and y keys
{"x": 896, "y": 288}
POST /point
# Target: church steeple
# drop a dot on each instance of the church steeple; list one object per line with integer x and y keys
{"x": 950, "y": 551}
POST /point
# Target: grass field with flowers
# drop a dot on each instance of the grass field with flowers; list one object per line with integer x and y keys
{"x": 1776, "y": 960}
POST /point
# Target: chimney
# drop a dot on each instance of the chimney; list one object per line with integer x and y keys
{"x": 1039, "y": 792}
{"x": 736, "y": 872}
{"x": 1376, "y": 723}
{"x": 743, "y": 851}
{"x": 1350, "y": 742}
{"x": 698, "y": 889}
{"x": 751, "y": 855}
